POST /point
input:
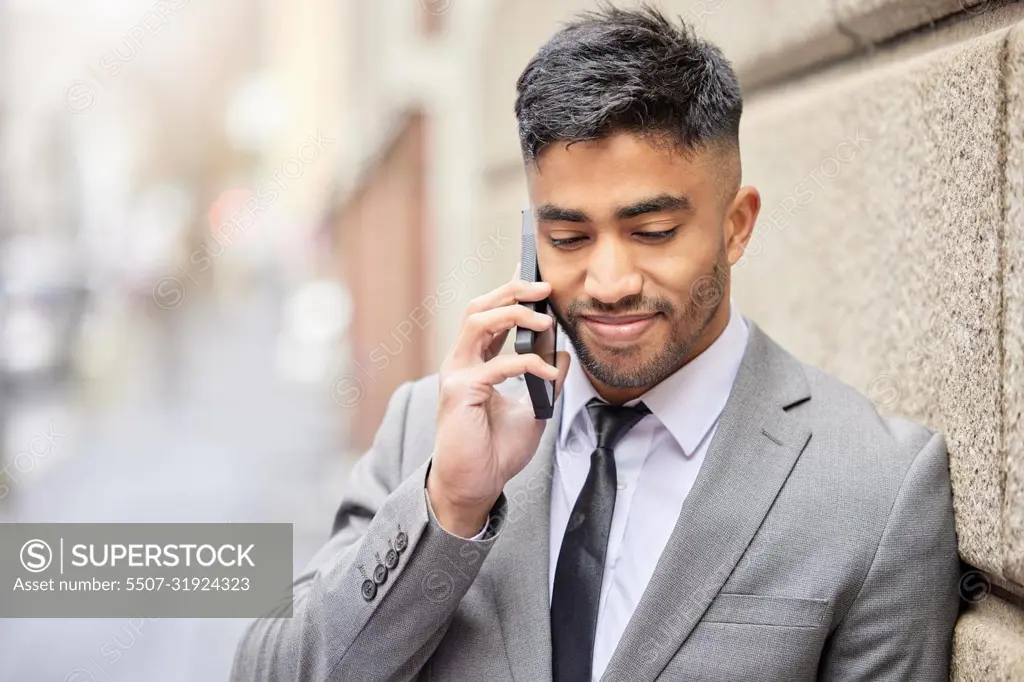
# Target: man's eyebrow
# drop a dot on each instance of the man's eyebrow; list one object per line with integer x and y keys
{"x": 552, "y": 213}
{"x": 656, "y": 204}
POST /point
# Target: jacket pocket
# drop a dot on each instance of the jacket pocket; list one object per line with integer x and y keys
{"x": 756, "y": 609}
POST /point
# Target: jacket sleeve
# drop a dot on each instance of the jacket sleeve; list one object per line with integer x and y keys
{"x": 354, "y": 618}
{"x": 900, "y": 626}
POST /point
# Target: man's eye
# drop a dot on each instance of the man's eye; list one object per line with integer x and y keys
{"x": 567, "y": 241}
{"x": 656, "y": 236}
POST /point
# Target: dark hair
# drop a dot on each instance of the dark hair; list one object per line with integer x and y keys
{"x": 615, "y": 70}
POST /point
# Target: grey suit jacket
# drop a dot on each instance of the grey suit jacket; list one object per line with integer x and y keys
{"x": 817, "y": 543}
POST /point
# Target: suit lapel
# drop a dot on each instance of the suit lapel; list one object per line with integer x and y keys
{"x": 750, "y": 456}
{"x": 519, "y": 563}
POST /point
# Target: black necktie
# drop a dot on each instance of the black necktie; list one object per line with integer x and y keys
{"x": 580, "y": 567}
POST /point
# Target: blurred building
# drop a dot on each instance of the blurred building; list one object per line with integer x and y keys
{"x": 164, "y": 168}
{"x": 886, "y": 139}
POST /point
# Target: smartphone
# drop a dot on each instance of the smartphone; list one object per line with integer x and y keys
{"x": 542, "y": 391}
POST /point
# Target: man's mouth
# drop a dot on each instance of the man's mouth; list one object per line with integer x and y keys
{"x": 619, "y": 328}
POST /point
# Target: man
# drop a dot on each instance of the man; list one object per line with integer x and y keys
{"x": 703, "y": 506}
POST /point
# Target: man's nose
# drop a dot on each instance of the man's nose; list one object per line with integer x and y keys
{"x": 611, "y": 275}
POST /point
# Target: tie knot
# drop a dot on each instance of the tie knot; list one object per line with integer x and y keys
{"x": 611, "y": 422}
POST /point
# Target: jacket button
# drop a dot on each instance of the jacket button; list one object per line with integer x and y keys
{"x": 391, "y": 559}
{"x": 380, "y": 574}
{"x": 401, "y": 541}
{"x": 369, "y": 590}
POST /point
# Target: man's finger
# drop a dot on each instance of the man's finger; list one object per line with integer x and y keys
{"x": 479, "y": 329}
{"x": 516, "y": 291}
{"x": 503, "y": 367}
{"x": 496, "y": 344}
{"x": 562, "y": 362}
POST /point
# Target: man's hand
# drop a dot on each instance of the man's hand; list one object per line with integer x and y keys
{"x": 484, "y": 438}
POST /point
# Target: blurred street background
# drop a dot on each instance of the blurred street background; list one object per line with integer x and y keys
{"x": 171, "y": 318}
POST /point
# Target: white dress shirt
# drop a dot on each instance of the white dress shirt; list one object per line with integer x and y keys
{"x": 656, "y": 464}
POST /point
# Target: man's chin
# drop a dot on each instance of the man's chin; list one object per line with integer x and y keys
{"x": 622, "y": 362}
{"x": 628, "y": 366}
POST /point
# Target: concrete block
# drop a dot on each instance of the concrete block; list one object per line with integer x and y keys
{"x": 1013, "y": 313}
{"x": 766, "y": 39}
{"x": 873, "y": 21}
{"x": 988, "y": 643}
{"x": 878, "y": 252}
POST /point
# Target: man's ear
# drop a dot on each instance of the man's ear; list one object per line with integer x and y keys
{"x": 739, "y": 222}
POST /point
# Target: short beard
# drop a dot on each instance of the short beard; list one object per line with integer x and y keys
{"x": 687, "y": 327}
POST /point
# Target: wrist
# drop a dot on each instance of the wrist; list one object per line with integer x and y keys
{"x": 461, "y": 518}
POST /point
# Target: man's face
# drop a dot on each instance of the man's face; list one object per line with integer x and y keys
{"x": 633, "y": 240}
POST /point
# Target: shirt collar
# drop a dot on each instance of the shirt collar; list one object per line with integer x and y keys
{"x": 687, "y": 402}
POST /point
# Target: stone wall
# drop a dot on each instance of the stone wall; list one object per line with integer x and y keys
{"x": 893, "y": 190}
